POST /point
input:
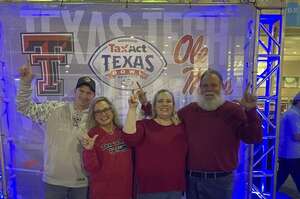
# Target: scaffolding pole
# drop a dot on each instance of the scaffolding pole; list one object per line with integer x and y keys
{"x": 268, "y": 60}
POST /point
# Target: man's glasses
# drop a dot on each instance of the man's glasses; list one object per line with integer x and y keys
{"x": 103, "y": 111}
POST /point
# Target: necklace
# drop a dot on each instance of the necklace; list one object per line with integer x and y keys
{"x": 76, "y": 118}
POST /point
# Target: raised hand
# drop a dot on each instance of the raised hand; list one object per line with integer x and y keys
{"x": 26, "y": 73}
{"x": 249, "y": 100}
{"x": 141, "y": 95}
{"x": 87, "y": 142}
{"x": 133, "y": 100}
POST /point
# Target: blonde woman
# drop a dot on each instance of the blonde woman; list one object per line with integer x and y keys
{"x": 160, "y": 149}
{"x": 106, "y": 157}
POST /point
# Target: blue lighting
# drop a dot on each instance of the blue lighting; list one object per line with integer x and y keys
{"x": 4, "y": 117}
{"x": 263, "y": 186}
{"x": 40, "y": 13}
{"x": 269, "y": 57}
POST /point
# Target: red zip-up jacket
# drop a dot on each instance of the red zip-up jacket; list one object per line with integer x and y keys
{"x": 109, "y": 166}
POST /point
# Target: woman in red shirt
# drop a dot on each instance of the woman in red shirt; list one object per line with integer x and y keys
{"x": 106, "y": 157}
{"x": 160, "y": 149}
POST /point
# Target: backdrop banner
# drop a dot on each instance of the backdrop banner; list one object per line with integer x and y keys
{"x": 159, "y": 46}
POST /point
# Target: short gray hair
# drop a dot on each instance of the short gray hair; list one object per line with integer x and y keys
{"x": 212, "y": 72}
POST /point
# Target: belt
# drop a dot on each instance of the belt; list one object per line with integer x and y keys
{"x": 208, "y": 175}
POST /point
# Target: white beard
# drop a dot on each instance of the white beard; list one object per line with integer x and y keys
{"x": 210, "y": 105}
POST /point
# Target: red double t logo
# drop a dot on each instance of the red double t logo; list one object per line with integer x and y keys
{"x": 49, "y": 52}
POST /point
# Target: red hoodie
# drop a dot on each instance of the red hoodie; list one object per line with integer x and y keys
{"x": 109, "y": 166}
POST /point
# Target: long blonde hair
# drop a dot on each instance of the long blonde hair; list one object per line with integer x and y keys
{"x": 154, "y": 113}
{"x": 91, "y": 122}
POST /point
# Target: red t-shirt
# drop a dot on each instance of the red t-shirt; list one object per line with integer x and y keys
{"x": 109, "y": 166}
{"x": 160, "y": 156}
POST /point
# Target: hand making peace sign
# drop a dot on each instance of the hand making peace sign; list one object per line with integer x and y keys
{"x": 249, "y": 99}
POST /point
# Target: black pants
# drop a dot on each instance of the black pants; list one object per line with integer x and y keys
{"x": 287, "y": 167}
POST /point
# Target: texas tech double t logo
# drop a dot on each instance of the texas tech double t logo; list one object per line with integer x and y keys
{"x": 49, "y": 51}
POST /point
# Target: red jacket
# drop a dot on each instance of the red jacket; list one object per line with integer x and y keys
{"x": 160, "y": 156}
{"x": 109, "y": 166}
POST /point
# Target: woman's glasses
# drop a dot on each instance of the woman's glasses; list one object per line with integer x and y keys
{"x": 103, "y": 111}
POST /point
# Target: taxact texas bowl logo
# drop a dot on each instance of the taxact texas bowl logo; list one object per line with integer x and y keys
{"x": 123, "y": 61}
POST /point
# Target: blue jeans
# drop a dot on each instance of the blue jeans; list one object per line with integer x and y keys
{"x": 160, "y": 195}
{"x": 288, "y": 167}
{"x": 218, "y": 188}
{"x": 61, "y": 192}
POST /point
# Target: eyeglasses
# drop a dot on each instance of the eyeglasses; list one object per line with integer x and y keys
{"x": 99, "y": 112}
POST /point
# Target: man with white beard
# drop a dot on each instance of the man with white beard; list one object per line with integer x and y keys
{"x": 214, "y": 129}
{"x": 210, "y": 101}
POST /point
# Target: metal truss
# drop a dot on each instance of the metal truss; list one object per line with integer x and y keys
{"x": 3, "y": 185}
{"x": 256, "y": 3}
{"x": 3, "y": 182}
{"x": 269, "y": 49}
{"x": 7, "y": 175}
